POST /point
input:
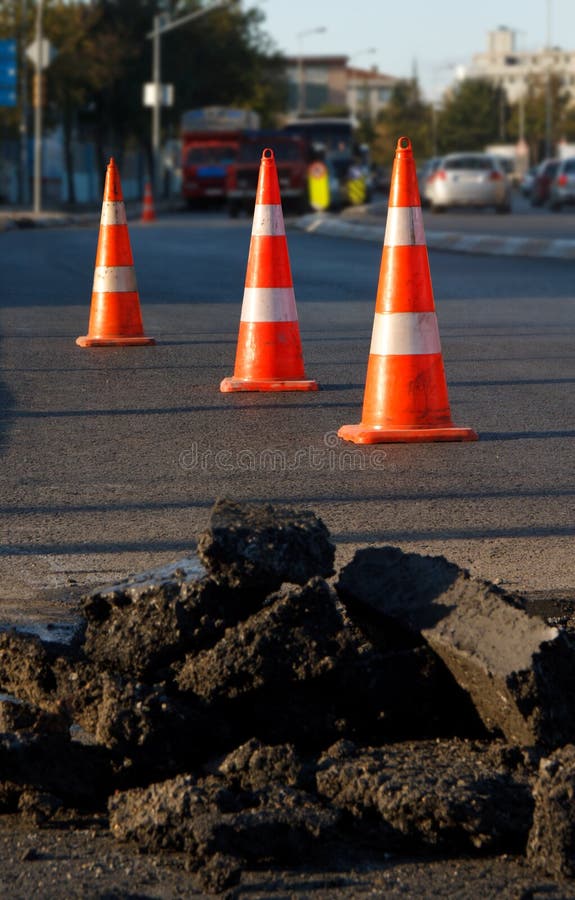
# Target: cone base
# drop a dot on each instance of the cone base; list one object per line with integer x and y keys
{"x": 373, "y": 434}
{"x": 230, "y": 385}
{"x": 88, "y": 341}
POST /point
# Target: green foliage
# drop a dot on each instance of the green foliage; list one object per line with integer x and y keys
{"x": 104, "y": 57}
{"x": 473, "y": 116}
{"x": 535, "y": 109}
{"x": 406, "y": 115}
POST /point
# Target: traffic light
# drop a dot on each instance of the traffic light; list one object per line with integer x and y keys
{"x": 39, "y": 95}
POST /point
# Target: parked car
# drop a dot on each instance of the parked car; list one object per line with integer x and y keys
{"x": 562, "y": 188}
{"x": 546, "y": 171}
{"x": 424, "y": 175}
{"x": 469, "y": 179}
{"x": 526, "y": 183}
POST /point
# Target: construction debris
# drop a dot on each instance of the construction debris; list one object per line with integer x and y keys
{"x": 245, "y": 711}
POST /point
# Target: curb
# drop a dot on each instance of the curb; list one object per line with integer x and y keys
{"x": 336, "y": 226}
{"x": 486, "y": 244}
{"x": 57, "y": 220}
{"x": 11, "y": 221}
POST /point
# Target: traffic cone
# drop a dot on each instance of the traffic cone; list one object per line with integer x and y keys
{"x": 115, "y": 317}
{"x": 405, "y": 393}
{"x": 269, "y": 355}
{"x": 148, "y": 211}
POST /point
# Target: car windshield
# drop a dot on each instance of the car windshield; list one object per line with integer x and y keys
{"x": 206, "y": 156}
{"x": 284, "y": 151}
{"x": 482, "y": 163}
{"x": 569, "y": 166}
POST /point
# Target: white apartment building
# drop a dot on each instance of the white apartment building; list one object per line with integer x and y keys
{"x": 513, "y": 69}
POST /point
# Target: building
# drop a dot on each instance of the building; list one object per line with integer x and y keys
{"x": 504, "y": 65}
{"x": 368, "y": 92}
{"x": 320, "y": 82}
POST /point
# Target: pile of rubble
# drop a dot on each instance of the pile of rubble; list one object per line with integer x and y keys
{"x": 257, "y": 711}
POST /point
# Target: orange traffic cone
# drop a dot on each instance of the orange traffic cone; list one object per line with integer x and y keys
{"x": 405, "y": 393}
{"x": 269, "y": 355}
{"x": 115, "y": 317}
{"x": 148, "y": 211}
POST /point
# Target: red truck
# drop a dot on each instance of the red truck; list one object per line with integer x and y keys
{"x": 291, "y": 155}
{"x": 210, "y": 141}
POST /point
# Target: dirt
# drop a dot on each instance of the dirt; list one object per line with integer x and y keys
{"x": 255, "y": 727}
{"x": 78, "y": 858}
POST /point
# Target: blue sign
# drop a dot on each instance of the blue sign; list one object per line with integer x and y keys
{"x": 8, "y": 96}
{"x": 8, "y": 50}
{"x": 8, "y": 73}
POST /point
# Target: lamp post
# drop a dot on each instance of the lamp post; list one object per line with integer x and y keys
{"x": 24, "y": 192}
{"x": 548, "y": 98}
{"x": 162, "y": 23}
{"x": 38, "y": 111}
{"x": 301, "y": 80}
{"x": 159, "y": 21}
{"x": 366, "y": 96}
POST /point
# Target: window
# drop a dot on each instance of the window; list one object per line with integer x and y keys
{"x": 480, "y": 163}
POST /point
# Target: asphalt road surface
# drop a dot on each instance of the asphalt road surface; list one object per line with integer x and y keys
{"x": 525, "y": 221}
{"x": 112, "y": 458}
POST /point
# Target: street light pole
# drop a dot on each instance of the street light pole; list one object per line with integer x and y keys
{"x": 24, "y": 194}
{"x": 548, "y": 97}
{"x": 301, "y": 79}
{"x": 156, "y": 108}
{"x": 366, "y": 95}
{"x": 161, "y": 24}
{"x": 38, "y": 111}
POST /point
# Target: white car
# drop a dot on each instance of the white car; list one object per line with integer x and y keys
{"x": 469, "y": 179}
{"x": 562, "y": 190}
{"x": 424, "y": 176}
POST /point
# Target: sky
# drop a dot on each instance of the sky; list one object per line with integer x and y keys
{"x": 436, "y": 36}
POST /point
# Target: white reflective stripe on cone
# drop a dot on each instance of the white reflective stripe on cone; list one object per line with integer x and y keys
{"x": 269, "y": 305}
{"x": 113, "y": 213}
{"x": 114, "y": 278}
{"x": 268, "y": 219}
{"x": 405, "y": 334}
{"x": 404, "y": 226}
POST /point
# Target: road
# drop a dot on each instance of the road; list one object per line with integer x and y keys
{"x": 524, "y": 221}
{"x": 112, "y": 458}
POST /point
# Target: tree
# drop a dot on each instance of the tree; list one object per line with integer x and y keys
{"x": 104, "y": 58}
{"x": 406, "y": 114}
{"x": 534, "y": 111}
{"x": 221, "y": 58}
{"x": 89, "y": 56}
{"x": 473, "y": 115}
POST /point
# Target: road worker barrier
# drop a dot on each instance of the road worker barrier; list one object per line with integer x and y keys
{"x": 318, "y": 186}
{"x": 406, "y": 392}
{"x": 115, "y": 316}
{"x": 148, "y": 211}
{"x": 269, "y": 354}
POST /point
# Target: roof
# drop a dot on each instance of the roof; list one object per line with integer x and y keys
{"x": 318, "y": 60}
{"x": 370, "y": 75}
